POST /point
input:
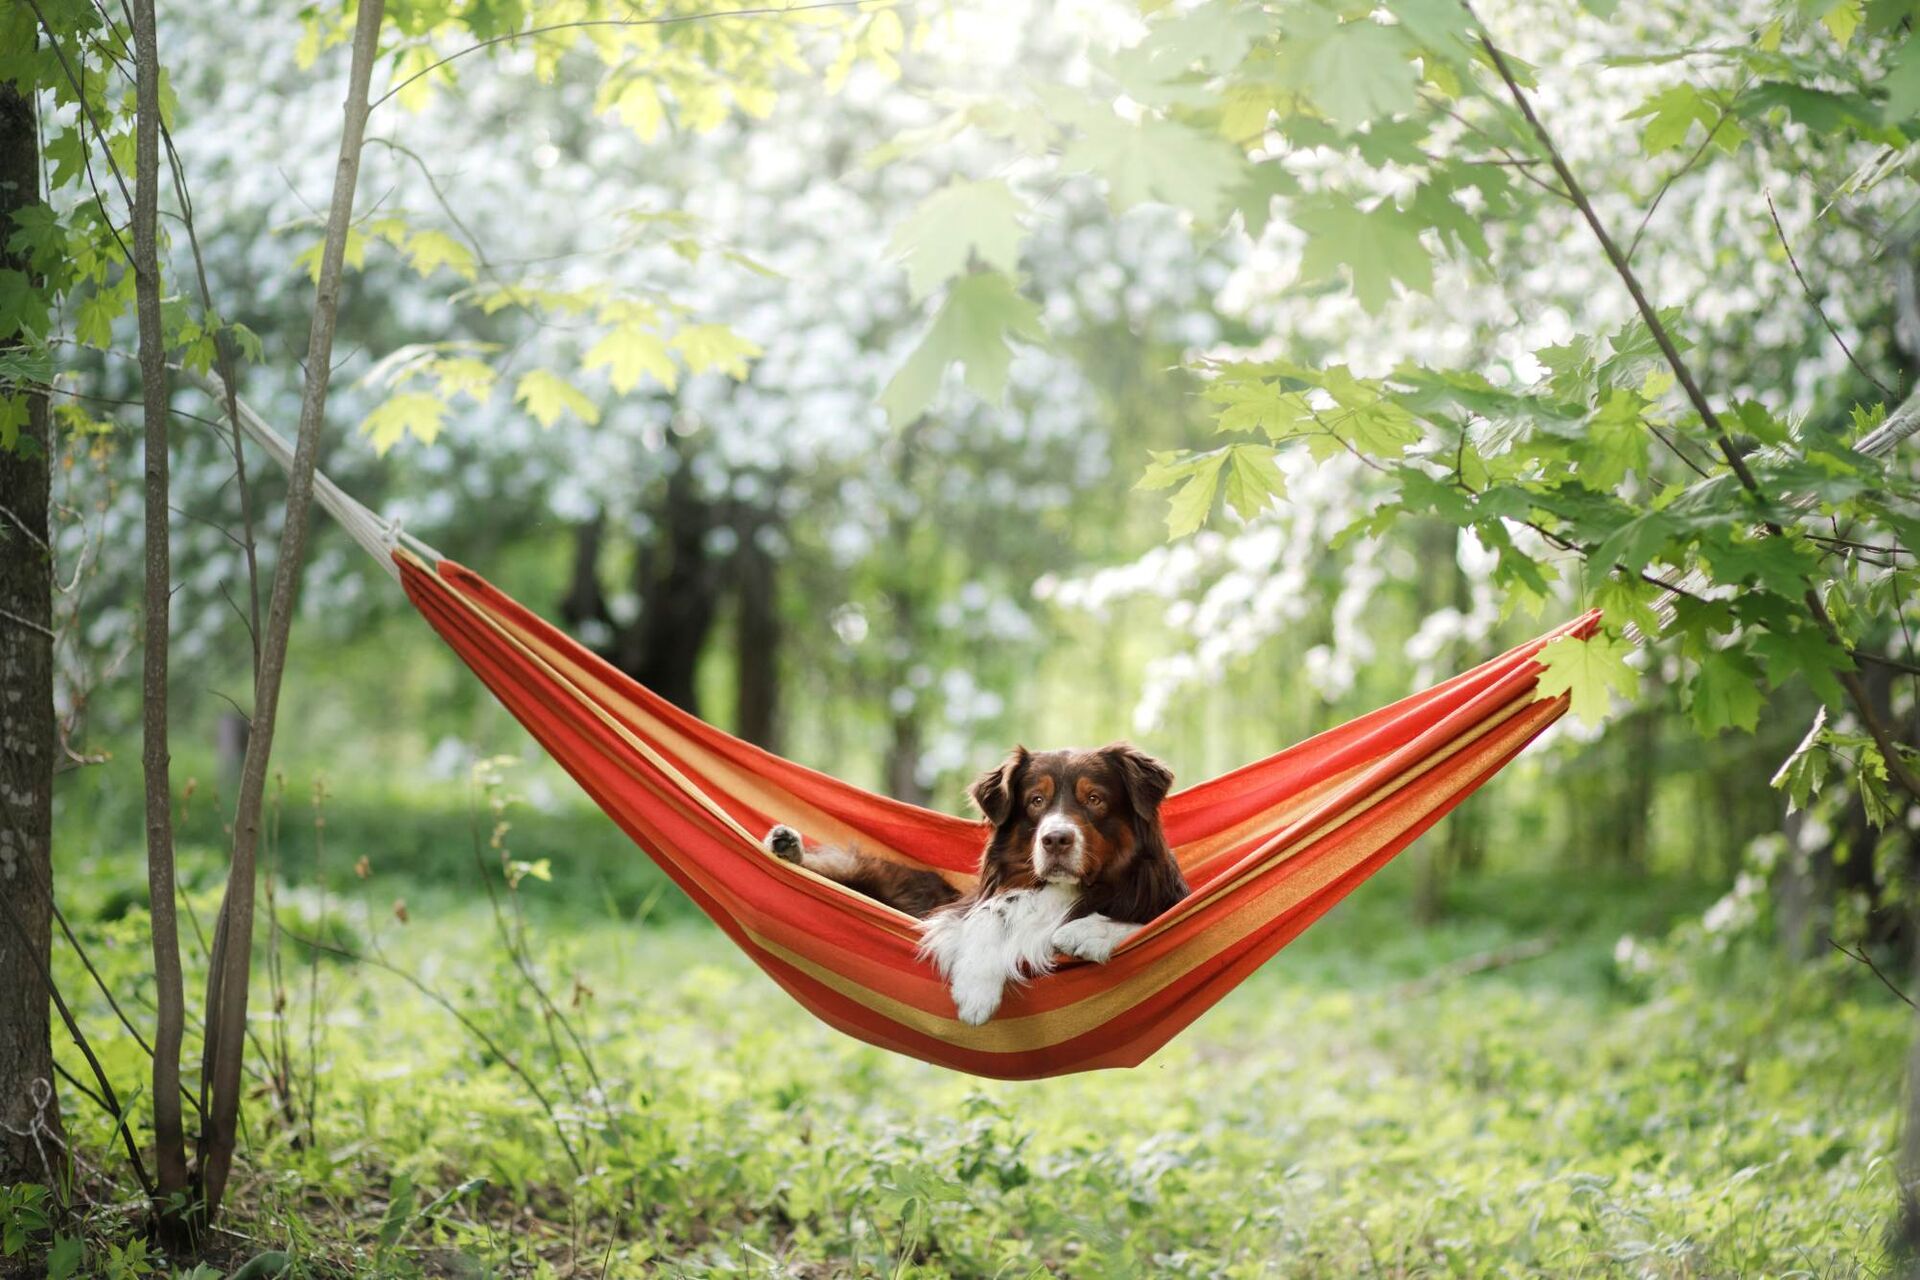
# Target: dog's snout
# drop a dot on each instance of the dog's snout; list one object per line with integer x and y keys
{"x": 1057, "y": 841}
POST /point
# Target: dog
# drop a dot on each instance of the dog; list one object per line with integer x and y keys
{"x": 1075, "y": 863}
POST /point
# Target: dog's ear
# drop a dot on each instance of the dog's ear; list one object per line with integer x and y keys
{"x": 994, "y": 790}
{"x": 1146, "y": 779}
{"x": 1151, "y": 881}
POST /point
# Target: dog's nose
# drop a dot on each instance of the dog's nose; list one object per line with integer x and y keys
{"x": 1056, "y": 841}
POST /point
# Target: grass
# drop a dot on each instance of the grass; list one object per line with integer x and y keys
{"x": 1708, "y": 1113}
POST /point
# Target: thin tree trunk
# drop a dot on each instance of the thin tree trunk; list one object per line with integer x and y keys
{"x": 169, "y": 1140}
{"x": 678, "y": 582}
{"x": 757, "y": 648}
{"x": 30, "y": 1132}
{"x": 585, "y": 605}
{"x": 1906, "y": 1224}
{"x": 903, "y": 604}
{"x": 233, "y": 951}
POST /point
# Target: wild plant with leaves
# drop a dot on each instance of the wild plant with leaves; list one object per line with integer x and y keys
{"x": 93, "y": 251}
{"x": 1638, "y": 469}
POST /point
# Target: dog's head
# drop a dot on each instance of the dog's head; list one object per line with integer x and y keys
{"x": 1081, "y": 817}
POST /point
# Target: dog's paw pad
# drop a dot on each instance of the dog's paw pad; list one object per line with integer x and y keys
{"x": 783, "y": 842}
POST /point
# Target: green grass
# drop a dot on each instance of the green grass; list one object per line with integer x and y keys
{"x": 1716, "y": 1116}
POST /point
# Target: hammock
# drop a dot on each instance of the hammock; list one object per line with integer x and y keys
{"x": 1267, "y": 849}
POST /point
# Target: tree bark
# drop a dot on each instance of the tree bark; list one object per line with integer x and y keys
{"x": 232, "y": 960}
{"x": 30, "y": 1132}
{"x": 169, "y": 1140}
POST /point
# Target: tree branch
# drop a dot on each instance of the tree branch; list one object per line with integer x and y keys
{"x": 1819, "y": 310}
{"x": 1897, "y": 766}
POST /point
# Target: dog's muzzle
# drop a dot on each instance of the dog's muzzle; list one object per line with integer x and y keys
{"x": 1058, "y": 849}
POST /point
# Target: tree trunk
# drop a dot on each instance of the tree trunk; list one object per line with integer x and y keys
{"x": 584, "y": 608}
{"x": 30, "y": 1131}
{"x": 904, "y": 581}
{"x": 757, "y": 651}
{"x": 169, "y": 1140}
{"x": 679, "y": 587}
{"x": 231, "y": 963}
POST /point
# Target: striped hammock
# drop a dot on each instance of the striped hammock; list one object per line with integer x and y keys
{"x": 1267, "y": 849}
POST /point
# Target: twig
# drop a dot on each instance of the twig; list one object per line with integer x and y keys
{"x": 1468, "y": 966}
{"x": 112, "y": 1100}
{"x": 668, "y": 21}
{"x": 473, "y": 1028}
{"x": 1726, "y": 113}
{"x": 1859, "y": 955}
{"x": 28, "y": 623}
{"x": 1817, "y": 308}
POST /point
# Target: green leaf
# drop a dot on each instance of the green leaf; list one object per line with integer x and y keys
{"x": 1354, "y": 72}
{"x": 354, "y": 254}
{"x": 93, "y": 318}
{"x": 1726, "y": 693}
{"x": 430, "y": 250}
{"x": 407, "y": 413}
{"x": 958, "y": 221}
{"x": 1636, "y": 542}
{"x": 1216, "y": 34}
{"x": 1823, "y": 111}
{"x": 630, "y": 352}
{"x": 1670, "y": 115}
{"x": 1197, "y": 474}
{"x": 1253, "y": 480}
{"x": 1188, "y": 508}
{"x": 1780, "y": 564}
{"x": 547, "y": 395}
{"x": 1253, "y": 404}
{"x": 1439, "y": 26}
{"x": 1586, "y": 670}
{"x": 1157, "y": 160}
{"x": 1806, "y": 651}
{"x": 1843, "y": 19}
{"x": 26, "y": 365}
{"x": 714, "y": 346}
{"x": 399, "y": 1212}
{"x": 1627, "y": 602}
{"x": 981, "y": 313}
{"x": 23, "y": 308}
{"x": 1616, "y": 442}
{"x": 1376, "y": 247}
{"x": 65, "y": 1257}
{"x": 1902, "y": 81}
{"x": 1254, "y": 194}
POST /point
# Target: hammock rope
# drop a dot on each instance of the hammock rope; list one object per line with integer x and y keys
{"x": 1267, "y": 848}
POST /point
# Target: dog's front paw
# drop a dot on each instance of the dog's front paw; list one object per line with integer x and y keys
{"x": 976, "y": 999}
{"x": 783, "y": 842}
{"x": 1091, "y": 937}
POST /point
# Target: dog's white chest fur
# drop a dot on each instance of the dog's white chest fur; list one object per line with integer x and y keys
{"x": 994, "y": 941}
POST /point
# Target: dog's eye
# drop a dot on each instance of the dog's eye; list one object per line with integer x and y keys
{"x": 1035, "y": 801}
{"x": 1096, "y": 801}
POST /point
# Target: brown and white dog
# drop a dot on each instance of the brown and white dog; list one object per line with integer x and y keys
{"x": 1076, "y": 862}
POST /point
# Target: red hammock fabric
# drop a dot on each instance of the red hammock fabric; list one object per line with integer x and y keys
{"x": 1267, "y": 849}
